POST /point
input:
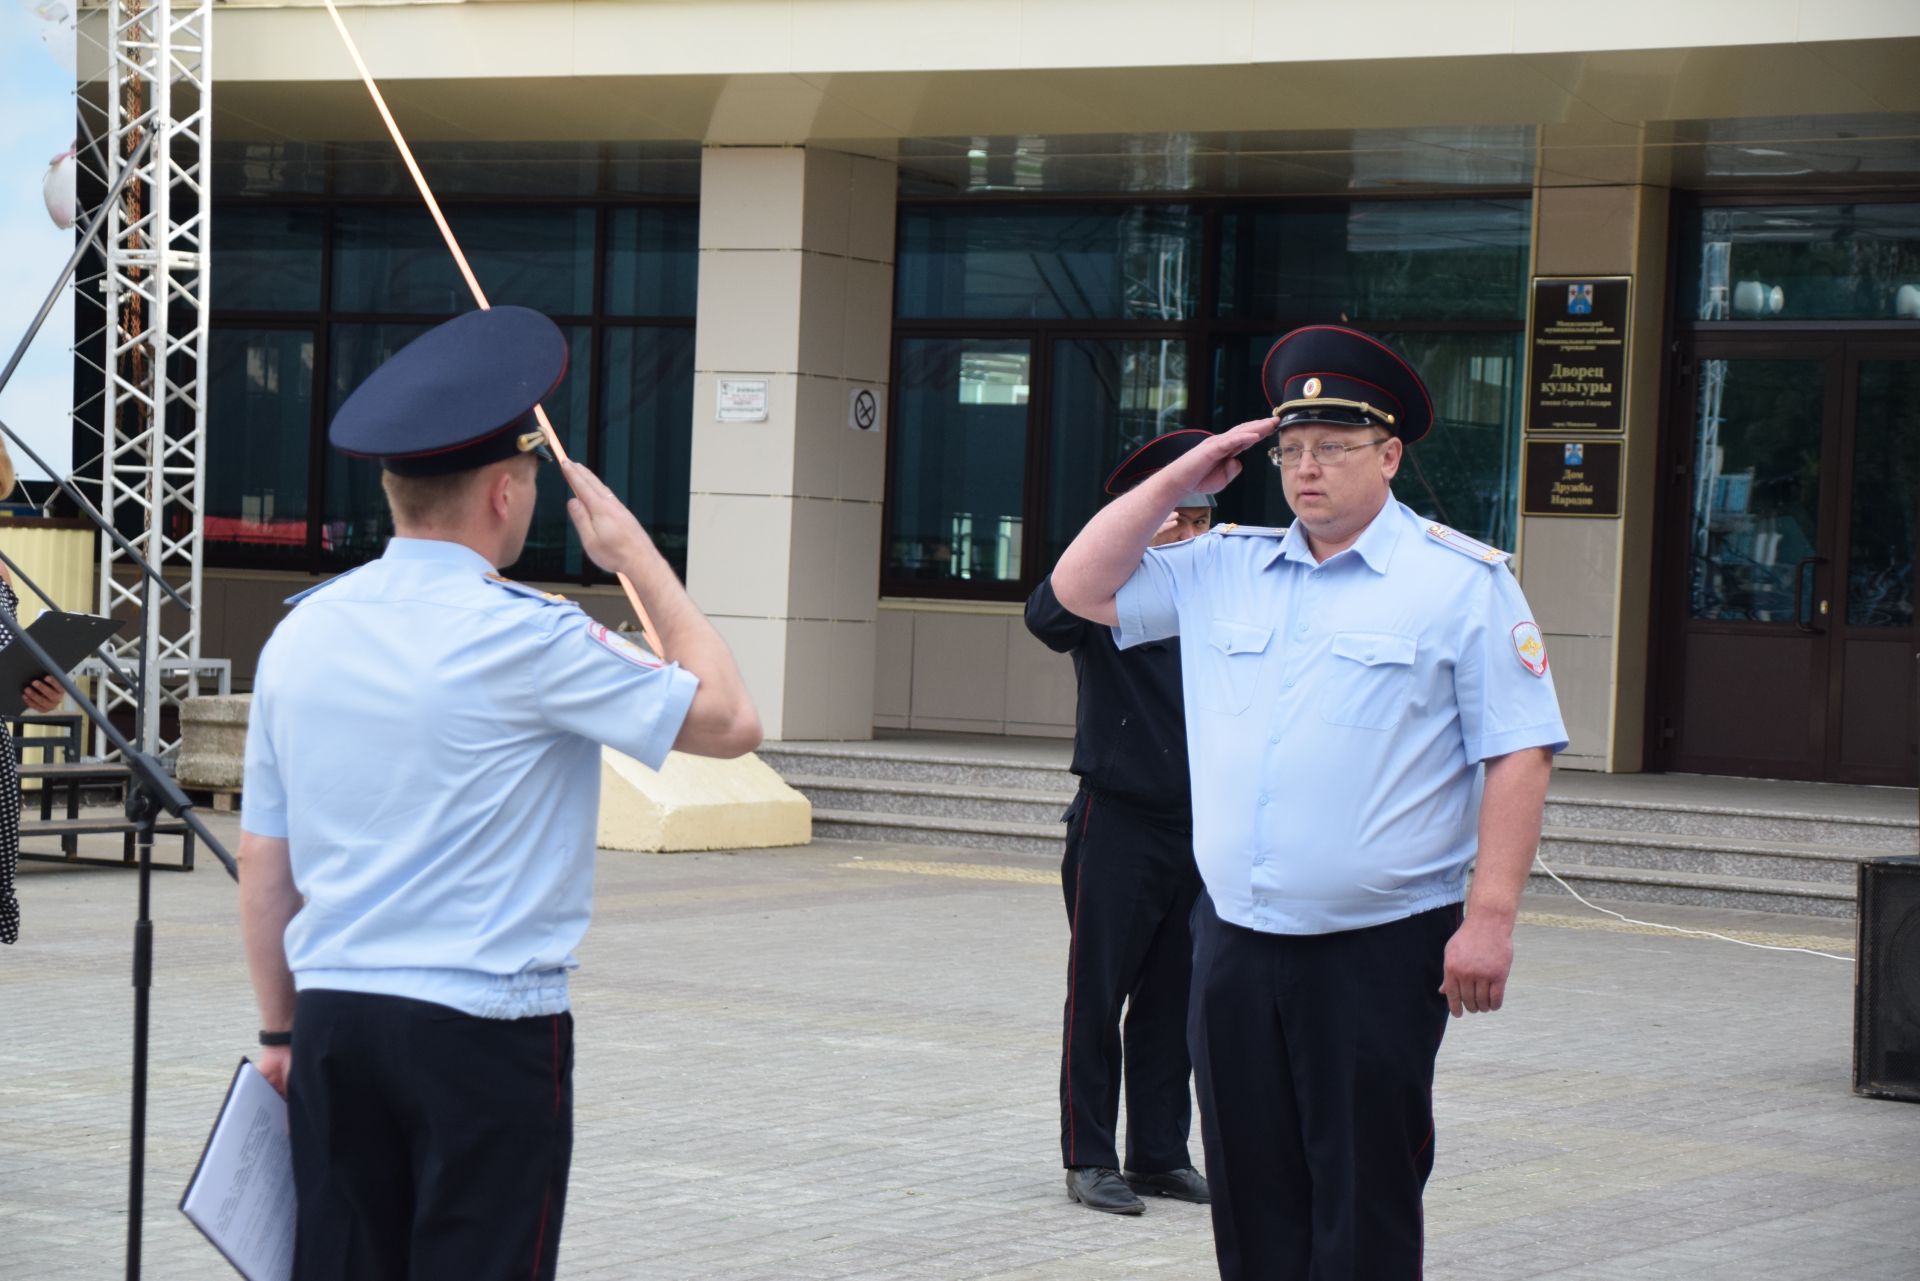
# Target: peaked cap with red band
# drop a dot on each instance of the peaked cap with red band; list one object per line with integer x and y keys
{"x": 1344, "y": 378}
{"x": 457, "y": 397}
{"x": 1155, "y": 455}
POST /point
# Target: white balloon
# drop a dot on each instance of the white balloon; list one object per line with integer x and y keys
{"x": 56, "y": 29}
{"x": 58, "y": 187}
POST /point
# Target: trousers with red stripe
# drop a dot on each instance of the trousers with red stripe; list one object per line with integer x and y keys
{"x": 1130, "y": 885}
{"x": 1313, "y": 1055}
{"x": 427, "y": 1143}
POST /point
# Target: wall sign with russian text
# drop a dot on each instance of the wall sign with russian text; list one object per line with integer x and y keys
{"x": 1577, "y": 354}
{"x": 1571, "y": 478}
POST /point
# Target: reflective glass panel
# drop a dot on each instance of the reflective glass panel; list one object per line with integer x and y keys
{"x": 958, "y": 456}
{"x": 393, "y": 260}
{"x": 1375, "y": 261}
{"x": 653, "y": 260}
{"x": 646, "y": 447}
{"x": 259, "y": 422}
{"x": 1807, "y": 262}
{"x": 268, "y": 259}
{"x": 267, "y": 169}
{"x": 1464, "y": 473}
{"x": 1886, "y": 495}
{"x": 1756, "y": 487}
{"x": 1109, "y": 397}
{"x": 354, "y": 524}
{"x": 547, "y": 169}
{"x": 1136, "y": 263}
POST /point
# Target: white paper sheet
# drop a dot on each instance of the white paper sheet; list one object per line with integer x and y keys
{"x": 241, "y": 1196}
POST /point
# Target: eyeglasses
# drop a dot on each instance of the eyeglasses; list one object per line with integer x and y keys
{"x": 1328, "y": 453}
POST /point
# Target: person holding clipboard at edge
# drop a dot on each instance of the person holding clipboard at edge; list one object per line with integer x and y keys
{"x": 41, "y": 695}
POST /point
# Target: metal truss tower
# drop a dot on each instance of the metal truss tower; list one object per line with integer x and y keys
{"x": 147, "y": 70}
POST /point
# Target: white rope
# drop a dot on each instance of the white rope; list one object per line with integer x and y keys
{"x": 1656, "y": 925}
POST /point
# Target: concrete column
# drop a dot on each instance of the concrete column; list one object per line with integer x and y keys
{"x": 796, "y": 290}
{"x": 1590, "y": 581}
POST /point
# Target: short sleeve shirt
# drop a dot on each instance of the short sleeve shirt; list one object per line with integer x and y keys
{"x": 1338, "y": 712}
{"x": 426, "y": 736}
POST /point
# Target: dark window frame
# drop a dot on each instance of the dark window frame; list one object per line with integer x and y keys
{"x": 226, "y": 554}
{"x": 1201, "y": 330}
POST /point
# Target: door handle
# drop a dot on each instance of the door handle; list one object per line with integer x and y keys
{"x": 1800, "y": 619}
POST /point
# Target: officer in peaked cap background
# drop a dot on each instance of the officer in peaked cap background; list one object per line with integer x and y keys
{"x": 1346, "y": 681}
{"x": 422, "y": 792}
{"x": 1130, "y": 884}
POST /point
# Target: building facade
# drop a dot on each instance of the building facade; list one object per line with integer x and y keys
{"x": 865, "y": 299}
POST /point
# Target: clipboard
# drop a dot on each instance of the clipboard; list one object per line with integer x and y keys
{"x": 67, "y": 638}
{"x": 241, "y": 1193}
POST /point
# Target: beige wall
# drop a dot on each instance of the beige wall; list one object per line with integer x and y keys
{"x": 968, "y": 668}
{"x": 1589, "y": 580}
{"x": 796, "y": 289}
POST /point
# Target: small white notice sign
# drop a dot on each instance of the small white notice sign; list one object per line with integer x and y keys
{"x": 741, "y": 400}
{"x": 863, "y": 409}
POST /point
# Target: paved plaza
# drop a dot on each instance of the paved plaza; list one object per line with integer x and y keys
{"x": 840, "y": 1062}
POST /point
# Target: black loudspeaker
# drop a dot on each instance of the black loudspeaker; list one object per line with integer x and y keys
{"x": 1886, "y": 992}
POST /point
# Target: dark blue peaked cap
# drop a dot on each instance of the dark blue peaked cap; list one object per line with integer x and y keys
{"x": 1344, "y": 378}
{"x": 457, "y": 397}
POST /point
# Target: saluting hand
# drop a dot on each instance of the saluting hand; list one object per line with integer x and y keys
{"x": 1224, "y": 451}
{"x": 609, "y": 533}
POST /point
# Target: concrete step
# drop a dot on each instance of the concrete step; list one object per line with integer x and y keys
{"x": 930, "y": 800}
{"x": 1696, "y": 889}
{"x": 818, "y": 761}
{"x": 1832, "y": 831}
{"x": 1040, "y": 840}
{"x": 1761, "y": 860}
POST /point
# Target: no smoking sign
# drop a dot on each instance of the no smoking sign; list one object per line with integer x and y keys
{"x": 863, "y": 409}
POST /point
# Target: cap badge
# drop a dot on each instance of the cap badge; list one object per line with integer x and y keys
{"x": 1312, "y": 388}
{"x": 1532, "y": 650}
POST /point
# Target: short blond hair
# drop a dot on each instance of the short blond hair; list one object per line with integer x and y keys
{"x": 429, "y": 502}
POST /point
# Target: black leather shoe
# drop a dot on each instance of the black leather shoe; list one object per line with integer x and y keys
{"x": 1184, "y": 1184}
{"x": 1102, "y": 1190}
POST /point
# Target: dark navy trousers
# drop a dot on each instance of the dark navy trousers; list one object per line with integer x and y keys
{"x": 427, "y": 1143}
{"x": 1130, "y": 885}
{"x": 1313, "y": 1056}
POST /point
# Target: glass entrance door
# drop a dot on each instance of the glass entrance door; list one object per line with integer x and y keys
{"x": 1794, "y": 651}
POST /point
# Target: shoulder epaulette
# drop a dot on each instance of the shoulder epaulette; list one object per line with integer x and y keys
{"x": 521, "y": 589}
{"x": 1472, "y": 547}
{"x": 323, "y": 584}
{"x": 1253, "y": 531}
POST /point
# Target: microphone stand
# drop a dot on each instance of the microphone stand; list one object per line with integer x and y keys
{"x": 150, "y": 789}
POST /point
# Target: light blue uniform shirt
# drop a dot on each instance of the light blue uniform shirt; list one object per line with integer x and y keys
{"x": 1337, "y": 713}
{"x": 426, "y": 737}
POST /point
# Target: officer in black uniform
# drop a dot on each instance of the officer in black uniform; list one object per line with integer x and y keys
{"x": 1130, "y": 884}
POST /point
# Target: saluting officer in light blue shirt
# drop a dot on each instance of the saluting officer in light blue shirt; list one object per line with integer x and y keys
{"x": 421, "y": 799}
{"x": 1352, "y": 683}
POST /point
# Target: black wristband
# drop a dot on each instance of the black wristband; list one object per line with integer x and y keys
{"x": 276, "y": 1038}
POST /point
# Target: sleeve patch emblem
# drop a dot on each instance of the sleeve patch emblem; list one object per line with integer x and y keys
{"x": 1531, "y": 648}
{"x": 622, "y": 646}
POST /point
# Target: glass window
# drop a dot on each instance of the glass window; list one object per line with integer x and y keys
{"x": 1139, "y": 262}
{"x": 393, "y": 261}
{"x": 653, "y": 260}
{"x": 958, "y": 457}
{"x": 1756, "y": 487}
{"x": 646, "y": 444}
{"x": 554, "y": 170}
{"x": 1464, "y": 473}
{"x": 1886, "y": 488}
{"x": 1109, "y": 397}
{"x": 1807, "y": 262}
{"x": 354, "y": 520}
{"x": 1377, "y": 261}
{"x": 269, "y": 259}
{"x": 259, "y": 422}
{"x": 267, "y": 169}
